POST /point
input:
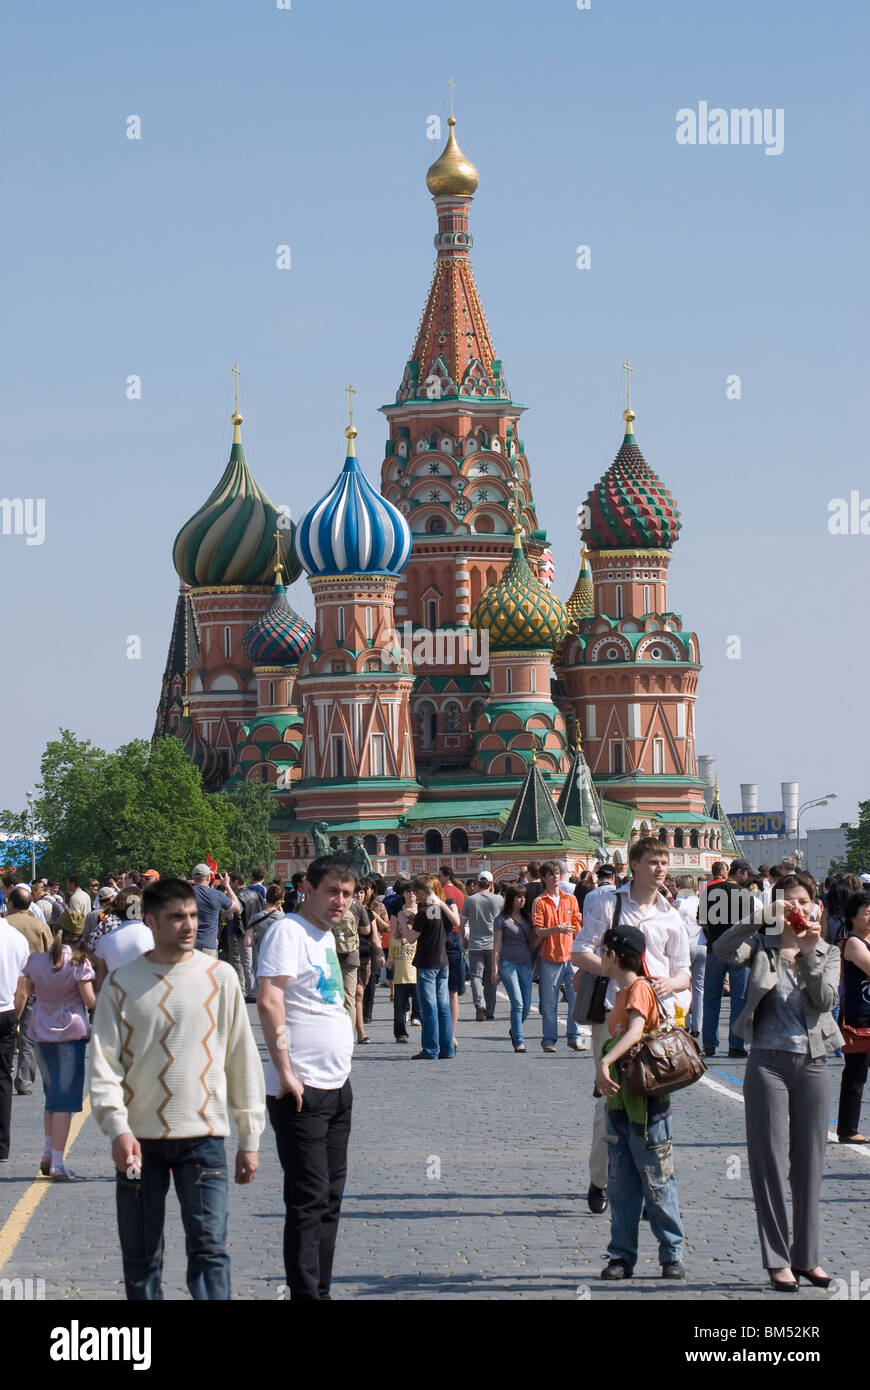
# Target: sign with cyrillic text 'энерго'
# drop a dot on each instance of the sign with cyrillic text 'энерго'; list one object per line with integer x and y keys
{"x": 758, "y": 823}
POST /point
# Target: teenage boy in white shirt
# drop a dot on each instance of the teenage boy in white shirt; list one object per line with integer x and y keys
{"x": 642, "y": 903}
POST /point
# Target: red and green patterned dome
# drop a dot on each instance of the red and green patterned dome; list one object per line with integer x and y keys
{"x": 630, "y": 508}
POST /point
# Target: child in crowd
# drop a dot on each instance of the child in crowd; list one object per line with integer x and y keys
{"x": 640, "y": 1161}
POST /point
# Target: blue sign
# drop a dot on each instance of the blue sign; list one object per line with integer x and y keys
{"x": 754, "y": 823}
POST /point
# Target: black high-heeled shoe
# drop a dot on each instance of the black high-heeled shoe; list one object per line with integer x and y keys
{"x": 818, "y": 1281}
{"x": 780, "y": 1285}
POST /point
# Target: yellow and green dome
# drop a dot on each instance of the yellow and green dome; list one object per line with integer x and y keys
{"x": 519, "y": 611}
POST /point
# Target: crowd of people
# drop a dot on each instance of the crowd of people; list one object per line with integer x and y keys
{"x": 151, "y": 974}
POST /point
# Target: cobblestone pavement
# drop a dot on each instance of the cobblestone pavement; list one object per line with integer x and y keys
{"x": 467, "y": 1179}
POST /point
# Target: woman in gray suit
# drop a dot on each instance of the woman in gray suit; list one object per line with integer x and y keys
{"x": 789, "y": 1026}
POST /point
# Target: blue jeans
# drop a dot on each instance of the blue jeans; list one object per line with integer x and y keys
{"x": 553, "y": 975}
{"x": 199, "y": 1169}
{"x": 714, "y": 979}
{"x": 640, "y": 1168}
{"x": 435, "y": 1017}
{"x": 694, "y": 1020}
{"x": 517, "y": 980}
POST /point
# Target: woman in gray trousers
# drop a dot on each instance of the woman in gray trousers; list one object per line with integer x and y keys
{"x": 789, "y": 1026}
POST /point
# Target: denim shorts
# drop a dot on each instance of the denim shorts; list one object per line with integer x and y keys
{"x": 62, "y": 1066}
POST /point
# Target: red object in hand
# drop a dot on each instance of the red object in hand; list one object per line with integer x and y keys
{"x": 796, "y": 921}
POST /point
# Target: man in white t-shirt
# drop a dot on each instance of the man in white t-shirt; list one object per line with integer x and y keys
{"x": 309, "y": 1036}
{"x": 115, "y": 948}
{"x": 642, "y": 904}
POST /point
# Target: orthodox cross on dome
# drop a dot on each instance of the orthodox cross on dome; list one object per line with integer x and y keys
{"x": 351, "y": 392}
{"x": 279, "y": 563}
{"x": 628, "y": 414}
{"x": 628, "y": 369}
{"x": 516, "y": 510}
{"x": 350, "y": 432}
{"x": 236, "y": 374}
{"x": 451, "y": 84}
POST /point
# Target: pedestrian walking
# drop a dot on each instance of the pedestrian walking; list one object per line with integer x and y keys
{"x": 512, "y": 958}
{"x": 309, "y": 1036}
{"x": 723, "y": 905}
{"x": 687, "y": 903}
{"x": 556, "y": 919}
{"x": 478, "y": 914}
{"x": 14, "y": 954}
{"x": 61, "y": 979}
{"x": 429, "y": 927}
{"x": 39, "y": 938}
{"x": 210, "y": 903}
{"x": 855, "y": 1016}
{"x": 640, "y": 903}
{"x": 640, "y": 1154}
{"x": 793, "y": 985}
{"x": 173, "y": 1054}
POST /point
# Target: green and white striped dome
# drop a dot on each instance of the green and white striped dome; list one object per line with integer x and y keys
{"x": 231, "y": 539}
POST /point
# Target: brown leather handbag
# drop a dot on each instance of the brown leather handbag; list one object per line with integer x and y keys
{"x": 661, "y": 1062}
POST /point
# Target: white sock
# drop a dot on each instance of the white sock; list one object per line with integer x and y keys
{"x": 46, "y": 1151}
{"x": 57, "y": 1158}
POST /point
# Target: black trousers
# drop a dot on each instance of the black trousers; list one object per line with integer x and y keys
{"x": 855, "y": 1065}
{"x": 312, "y": 1146}
{"x": 8, "y": 1029}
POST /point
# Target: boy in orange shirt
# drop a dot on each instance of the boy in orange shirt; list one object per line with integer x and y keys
{"x": 640, "y": 1162}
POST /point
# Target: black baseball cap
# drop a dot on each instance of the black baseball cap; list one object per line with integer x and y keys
{"x": 631, "y": 938}
{"x": 606, "y": 871}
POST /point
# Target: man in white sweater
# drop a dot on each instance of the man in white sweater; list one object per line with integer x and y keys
{"x": 172, "y": 1051}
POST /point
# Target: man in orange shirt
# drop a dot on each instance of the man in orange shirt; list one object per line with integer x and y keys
{"x": 556, "y": 919}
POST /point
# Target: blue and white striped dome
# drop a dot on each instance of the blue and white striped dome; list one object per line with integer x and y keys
{"x": 353, "y": 529}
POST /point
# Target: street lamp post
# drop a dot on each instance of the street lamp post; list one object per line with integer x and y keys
{"x": 807, "y": 805}
{"x": 31, "y": 825}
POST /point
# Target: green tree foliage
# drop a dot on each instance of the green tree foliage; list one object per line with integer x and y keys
{"x": 252, "y": 845}
{"x": 858, "y": 841}
{"x": 140, "y": 807}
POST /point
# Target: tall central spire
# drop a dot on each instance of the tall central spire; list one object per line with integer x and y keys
{"x": 453, "y": 355}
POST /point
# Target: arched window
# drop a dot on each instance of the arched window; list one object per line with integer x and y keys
{"x": 477, "y": 709}
{"x": 508, "y": 765}
{"x": 693, "y": 839}
{"x": 619, "y": 600}
{"x": 432, "y": 614}
{"x": 458, "y": 842}
{"x": 391, "y": 844}
{"x": 339, "y": 624}
{"x": 228, "y": 642}
{"x": 371, "y": 843}
{"x": 433, "y": 842}
{"x": 663, "y": 835}
{"x": 436, "y": 526}
{"x": 532, "y": 675}
{"x": 508, "y": 680}
{"x": 271, "y": 692}
{"x": 428, "y": 725}
{"x": 646, "y": 607}
{"x": 679, "y": 839}
{"x": 369, "y": 624}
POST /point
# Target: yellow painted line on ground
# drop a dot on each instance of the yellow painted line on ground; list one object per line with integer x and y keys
{"x": 18, "y": 1219}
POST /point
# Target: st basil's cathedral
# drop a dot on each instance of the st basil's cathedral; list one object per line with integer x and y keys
{"x": 575, "y": 736}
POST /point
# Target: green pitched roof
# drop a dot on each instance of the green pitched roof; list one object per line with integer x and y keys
{"x": 578, "y": 801}
{"x": 534, "y": 816}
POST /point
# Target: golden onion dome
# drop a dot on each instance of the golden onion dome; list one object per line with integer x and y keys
{"x": 519, "y": 611}
{"x": 452, "y": 173}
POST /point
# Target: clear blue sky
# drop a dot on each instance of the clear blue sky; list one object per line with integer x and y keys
{"x": 307, "y": 126}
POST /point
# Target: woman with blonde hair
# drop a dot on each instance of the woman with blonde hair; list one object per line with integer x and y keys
{"x": 61, "y": 980}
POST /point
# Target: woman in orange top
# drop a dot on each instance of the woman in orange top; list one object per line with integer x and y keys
{"x": 640, "y": 1163}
